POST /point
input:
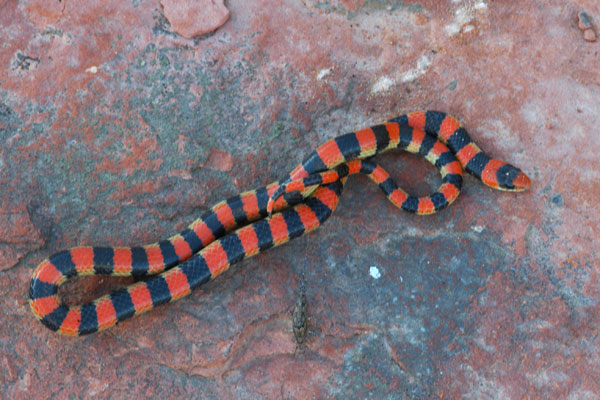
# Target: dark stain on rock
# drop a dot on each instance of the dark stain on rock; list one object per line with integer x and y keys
{"x": 8, "y": 122}
{"x": 557, "y": 199}
{"x": 162, "y": 25}
{"x": 25, "y": 63}
{"x": 40, "y": 217}
{"x": 5, "y": 111}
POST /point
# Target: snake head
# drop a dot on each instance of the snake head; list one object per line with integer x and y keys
{"x": 512, "y": 179}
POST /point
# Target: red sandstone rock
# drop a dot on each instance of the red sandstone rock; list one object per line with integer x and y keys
{"x": 495, "y": 297}
{"x": 43, "y": 13}
{"x": 191, "y": 18}
{"x": 18, "y": 236}
{"x": 219, "y": 160}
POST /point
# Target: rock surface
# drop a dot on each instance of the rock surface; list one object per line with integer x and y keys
{"x": 191, "y": 18}
{"x": 115, "y": 131}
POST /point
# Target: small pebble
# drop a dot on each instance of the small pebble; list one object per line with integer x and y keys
{"x": 585, "y": 24}
{"x": 584, "y": 21}
{"x": 589, "y": 35}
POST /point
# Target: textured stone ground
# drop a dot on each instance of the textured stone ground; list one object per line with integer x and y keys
{"x": 116, "y": 130}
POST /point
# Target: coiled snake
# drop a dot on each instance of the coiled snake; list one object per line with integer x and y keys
{"x": 253, "y": 221}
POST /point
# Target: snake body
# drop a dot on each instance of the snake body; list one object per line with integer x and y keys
{"x": 254, "y": 221}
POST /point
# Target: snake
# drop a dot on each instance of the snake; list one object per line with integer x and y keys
{"x": 256, "y": 220}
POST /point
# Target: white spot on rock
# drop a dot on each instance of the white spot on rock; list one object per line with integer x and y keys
{"x": 463, "y": 16}
{"x": 422, "y": 66}
{"x": 93, "y": 69}
{"x": 384, "y": 83}
{"x": 323, "y": 73}
{"x": 374, "y": 272}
